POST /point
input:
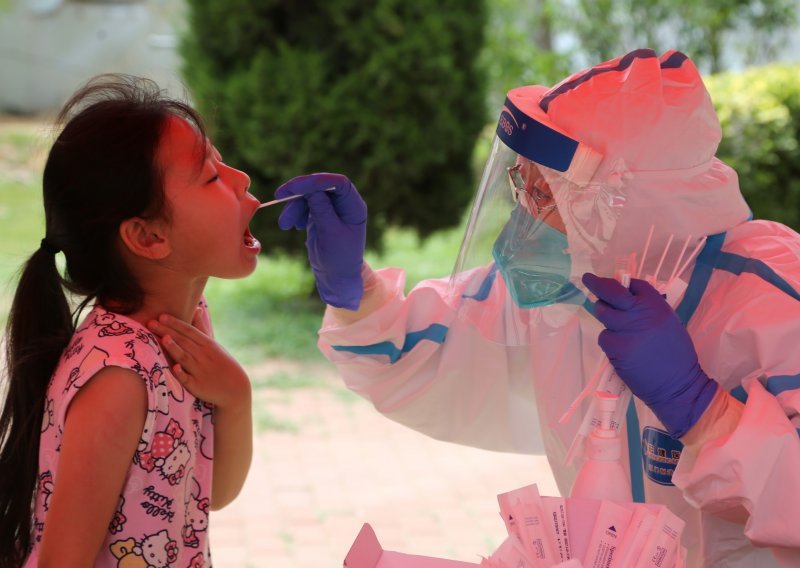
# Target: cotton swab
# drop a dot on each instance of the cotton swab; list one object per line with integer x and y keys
{"x": 661, "y": 260}
{"x": 689, "y": 258}
{"x": 644, "y": 252}
{"x": 291, "y": 197}
{"x": 590, "y": 387}
{"x": 680, "y": 258}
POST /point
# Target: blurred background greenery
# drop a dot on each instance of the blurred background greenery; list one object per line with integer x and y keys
{"x": 401, "y": 95}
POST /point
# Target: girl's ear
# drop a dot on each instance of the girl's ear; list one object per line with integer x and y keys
{"x": 144, "y": 238}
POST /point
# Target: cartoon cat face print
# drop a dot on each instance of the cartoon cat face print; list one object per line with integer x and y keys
{"x": 158, "y": 550}
{"x": 78, "y": 374}
{"x": 167, "y": 388}
{"x": 196, "y": 508}
{"x": 168, "y": 453}
{"x": 174, "y": 466}
{"x": 109, "y": 325}
{"x": 154, "y": 551}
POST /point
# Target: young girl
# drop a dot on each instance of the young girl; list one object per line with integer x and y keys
{"x": 119, "y": 436}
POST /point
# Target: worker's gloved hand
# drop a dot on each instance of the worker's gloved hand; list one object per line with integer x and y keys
{"x": 336, "y": 222}
{"x": 651, "y": 351}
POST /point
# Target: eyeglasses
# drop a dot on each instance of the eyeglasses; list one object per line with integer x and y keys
{"x": 537, "y": 195}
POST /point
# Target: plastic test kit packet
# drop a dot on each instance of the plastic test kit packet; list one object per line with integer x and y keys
{"x": 555, "y": 512}
{"x": 610, "y": 526}
{"x": 634, "y": 539}
{"x": 524, "y": 515}
{"x": 624, "y": 535}
{"x": 662, "y": 548}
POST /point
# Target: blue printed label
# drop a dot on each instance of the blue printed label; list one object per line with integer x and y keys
{"x": 660, "y": 453}
{"x": 534, "y": 140}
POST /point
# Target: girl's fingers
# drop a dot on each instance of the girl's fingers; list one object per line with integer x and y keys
{"x": 178, "y": 353}
{"x": 180, "y": 329}
{"x": 180, "y": 350}
{"x": 180, "y": 373}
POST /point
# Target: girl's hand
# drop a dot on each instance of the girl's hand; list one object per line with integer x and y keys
{"x": 201, "y": 365}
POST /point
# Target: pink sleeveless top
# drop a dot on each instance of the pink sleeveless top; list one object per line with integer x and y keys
{"x": 162, "y": 515}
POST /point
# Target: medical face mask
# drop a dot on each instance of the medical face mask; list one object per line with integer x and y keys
{"x": 531, "y": 255}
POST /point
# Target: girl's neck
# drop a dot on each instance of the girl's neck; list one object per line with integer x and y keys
{"x": 179, "y": 301}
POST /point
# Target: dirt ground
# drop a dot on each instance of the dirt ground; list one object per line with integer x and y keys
{"x": 312, "y": 487}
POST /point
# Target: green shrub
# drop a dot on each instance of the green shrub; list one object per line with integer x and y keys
{"x": 759, "y": 110}
{"x": 387, "y": 92}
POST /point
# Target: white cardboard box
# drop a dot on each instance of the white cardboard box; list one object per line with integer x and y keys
{"x": 367, "y": 552}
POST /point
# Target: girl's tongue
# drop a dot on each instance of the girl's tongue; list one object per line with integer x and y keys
{"x": 249, "y": 240}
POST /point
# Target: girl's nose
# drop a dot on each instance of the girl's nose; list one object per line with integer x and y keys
{"x": 242, "y": 182}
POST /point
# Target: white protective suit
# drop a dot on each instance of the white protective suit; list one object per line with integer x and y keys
{"x": 737, "y": 483}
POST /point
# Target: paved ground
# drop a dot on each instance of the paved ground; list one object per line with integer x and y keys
{"x": 337, "y": 463}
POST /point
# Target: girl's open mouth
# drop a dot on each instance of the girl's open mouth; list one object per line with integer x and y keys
{"x": 250, "y": 241}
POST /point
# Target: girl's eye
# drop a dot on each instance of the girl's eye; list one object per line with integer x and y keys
{"x": 213, "y": 179}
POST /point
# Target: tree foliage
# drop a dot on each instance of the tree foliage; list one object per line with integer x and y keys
{"x": 541, "y": 41}
{"x": 759, "y": 110}
{"x": 749, "y": 29}
{"x": 520, "y": 48}
{"x": 387, "y": 92}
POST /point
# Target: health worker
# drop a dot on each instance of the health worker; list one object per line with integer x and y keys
{"x": 609, "y": 173}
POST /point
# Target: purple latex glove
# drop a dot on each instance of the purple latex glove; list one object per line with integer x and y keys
{"x": 336, "y": 224}
{"x": 651, "y": 351}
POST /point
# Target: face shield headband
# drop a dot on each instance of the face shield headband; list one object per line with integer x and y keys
{"x": 532, "y": 136}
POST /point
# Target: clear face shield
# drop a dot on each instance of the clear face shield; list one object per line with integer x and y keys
{"x": 513, "y": 265}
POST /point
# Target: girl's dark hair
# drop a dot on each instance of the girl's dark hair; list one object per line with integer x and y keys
{"x": 101, "y": 171}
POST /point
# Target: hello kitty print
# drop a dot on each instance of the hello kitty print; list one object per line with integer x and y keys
{"x": 161, "y": 519}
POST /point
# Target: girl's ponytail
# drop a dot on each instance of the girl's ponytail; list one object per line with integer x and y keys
{"x": 38, "y": 329}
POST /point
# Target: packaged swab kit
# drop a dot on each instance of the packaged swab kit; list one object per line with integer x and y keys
{"x": 588, "y": 533}
{"x": 562, "y": 532}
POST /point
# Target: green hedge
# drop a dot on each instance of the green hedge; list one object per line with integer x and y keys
{"x": 759, "y": 110}
{"x": 387, "y": 92}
